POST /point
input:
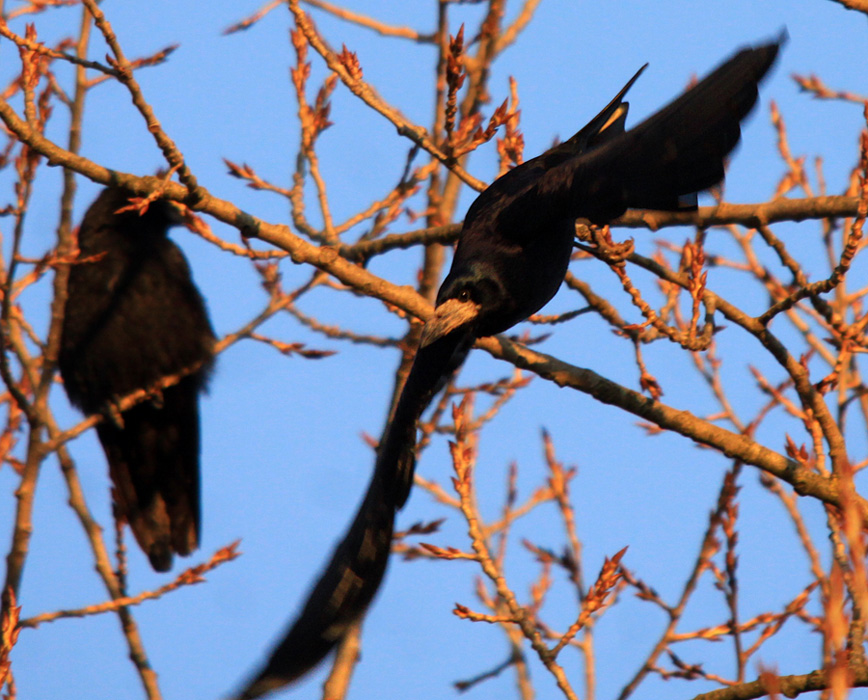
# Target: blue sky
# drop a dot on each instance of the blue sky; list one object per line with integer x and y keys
{"x": 284, "y": 460}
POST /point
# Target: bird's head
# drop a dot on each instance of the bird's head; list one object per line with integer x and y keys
{"x": 463, "y": 302}
{"x": 118, "y": 204}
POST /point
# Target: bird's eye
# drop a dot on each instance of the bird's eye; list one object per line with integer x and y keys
{"x": 464, "y": 295}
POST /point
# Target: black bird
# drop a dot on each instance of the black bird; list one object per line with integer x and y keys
{"x": 512, "y": 255}
{"x": 133, "y": 316}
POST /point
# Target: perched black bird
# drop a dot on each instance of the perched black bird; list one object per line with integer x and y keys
{"x": 134, "y": 316}
{"x": 511, "y": 257}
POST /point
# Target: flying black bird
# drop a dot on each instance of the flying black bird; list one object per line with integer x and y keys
{"x": 512, "y": 255}
{"x": 134, "y": 316}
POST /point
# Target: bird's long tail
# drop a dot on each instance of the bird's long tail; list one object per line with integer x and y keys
{"x": 675, "y": 153}
{"x": 154, "y": 466}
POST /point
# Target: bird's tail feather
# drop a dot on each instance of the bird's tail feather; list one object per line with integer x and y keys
{"x": 153, "y": 462}
{"x": 677, "y": 151}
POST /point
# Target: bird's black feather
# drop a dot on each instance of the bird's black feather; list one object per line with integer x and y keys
{"x": 358, "y": 563}
{"x": 511, "y": 257}
{"x": 133, "y": 316}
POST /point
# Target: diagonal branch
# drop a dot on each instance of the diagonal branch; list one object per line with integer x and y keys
{"x": 734, "y": 445}
{"x": 368, "y": 95}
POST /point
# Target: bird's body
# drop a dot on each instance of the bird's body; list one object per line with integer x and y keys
{"x": 511, "y": 257}
{"x": 134, "y": 316}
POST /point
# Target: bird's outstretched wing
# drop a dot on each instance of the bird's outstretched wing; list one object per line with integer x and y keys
{"x": 354, "y": 573}
{"x": 342, "y": 593}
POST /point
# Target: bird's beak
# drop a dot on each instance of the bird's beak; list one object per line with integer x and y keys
{"x": 448, "y": 316}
